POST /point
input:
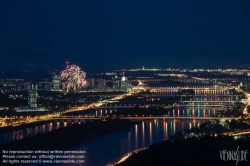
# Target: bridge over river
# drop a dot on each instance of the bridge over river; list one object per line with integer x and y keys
{"x": 141, "y": 117}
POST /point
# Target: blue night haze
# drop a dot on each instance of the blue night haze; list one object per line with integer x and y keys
{"x": 126, "y": 32}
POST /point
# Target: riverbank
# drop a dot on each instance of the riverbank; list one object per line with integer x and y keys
{"x": 36, "y": 123}
{"x": 22, "y": 126}
{"x": 197, "y": 146}
{"x": 69, "y": 136}
{"x": 192, "y": 151}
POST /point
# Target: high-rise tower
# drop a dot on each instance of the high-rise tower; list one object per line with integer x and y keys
{"x": 125, "y": 84}
{"x": 32, "y": 96}
{"x": 56, "y": 83}
{"x": 116, "y": 83}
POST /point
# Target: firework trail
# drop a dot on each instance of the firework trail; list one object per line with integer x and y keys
{"x": 72, "y": 77}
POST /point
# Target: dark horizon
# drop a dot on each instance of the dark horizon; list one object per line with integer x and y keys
{"x": 33, "y": 68}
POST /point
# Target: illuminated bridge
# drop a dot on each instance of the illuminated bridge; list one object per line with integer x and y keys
{"x": 196, "y": 104}
{"x": 212, "y": 103}
{"x": 201, "y": 105}
{"x": 141, "y": 117}
{"x": 155, "y": 89}
{"x": 114, "y": 107}
{"x": 151, "y": 106}
{"x": 209, "y": 101}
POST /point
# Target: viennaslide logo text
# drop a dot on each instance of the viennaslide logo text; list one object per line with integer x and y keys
{"x": 234, "y": 155}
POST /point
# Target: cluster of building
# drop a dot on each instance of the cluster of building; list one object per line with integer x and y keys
{"x": 112, "y": 82}
{"x": 101, "y": 84}
{"x": 32, "y": 101}
{"x": 116, "y": 84}
{"x": 19, "y": 84}
{"x": 121, "y": 83}
{"x": 93, "y": 84}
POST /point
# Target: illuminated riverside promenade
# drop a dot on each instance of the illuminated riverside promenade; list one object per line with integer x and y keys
{"x": 126, "y": 156}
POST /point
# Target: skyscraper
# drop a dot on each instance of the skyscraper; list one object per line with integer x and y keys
{"x": 56, "y": 83}
{"x": 91, "y": 82}
{"x": 116, "y": 83}
{"x": 32, "y": 101}
{"x": 101, "y": 84}
{"x": 32, "y": 96}
{"x": 125, "y": 84}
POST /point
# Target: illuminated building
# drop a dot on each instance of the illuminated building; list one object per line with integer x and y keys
{"x": 116, "y": 83}
{"x": 32, "y": 101}
{"x": 44, "y": 86}
{"x": 91, "y": 82}
{"x": 4, "y": 108}
{"x": 125, "y": 84}
{"x": 8, "y": 87}
{"x": 123, "y": 78}
{"x": 101, "y": 84}
{"x": 56, "y": 83}
{"x": 32, "y": 96}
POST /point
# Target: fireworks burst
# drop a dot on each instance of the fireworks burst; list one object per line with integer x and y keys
{"x": 72, "y": 77}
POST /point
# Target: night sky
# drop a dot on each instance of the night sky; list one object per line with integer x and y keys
{"x": 130, "y": 33}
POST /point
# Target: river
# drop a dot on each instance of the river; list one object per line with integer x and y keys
{"x": 111, "y": 147}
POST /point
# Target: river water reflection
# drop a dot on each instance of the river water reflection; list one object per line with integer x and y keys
{"x": 21, "y": 133}
{"x": 111, "y": 147}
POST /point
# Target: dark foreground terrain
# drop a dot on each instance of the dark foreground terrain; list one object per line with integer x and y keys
{"x": 190, "y": 152}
